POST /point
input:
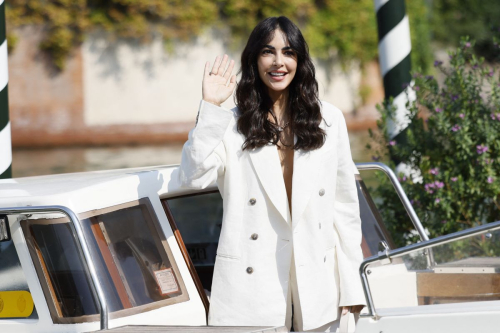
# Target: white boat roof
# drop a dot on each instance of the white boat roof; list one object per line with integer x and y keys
{"x": 62, "y": 189}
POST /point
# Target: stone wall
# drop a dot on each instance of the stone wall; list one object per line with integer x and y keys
{"x": 122, "y": 92}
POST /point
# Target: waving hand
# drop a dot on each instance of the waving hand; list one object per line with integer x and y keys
{"x": 218, "y": 84}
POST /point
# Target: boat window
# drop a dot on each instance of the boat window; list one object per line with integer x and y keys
{"x": 12, "y": 278}
{"x": 59, "y": 259}
{"x": 133, "y": 260}
{"x": 463, "y": 270}
{"x": 199, "y": 219}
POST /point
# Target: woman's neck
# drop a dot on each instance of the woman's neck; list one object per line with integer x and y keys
{"x": 280, "y": 103}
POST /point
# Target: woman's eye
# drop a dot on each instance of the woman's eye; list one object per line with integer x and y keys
{"x": 290, "y": 53}
{"x": 266, "y": 51}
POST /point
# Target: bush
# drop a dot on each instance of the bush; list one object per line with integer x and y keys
{"x": 452, "y": 146}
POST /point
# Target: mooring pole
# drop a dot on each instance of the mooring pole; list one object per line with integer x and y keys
{"x": 5, "y": 139}
{"x": 394, "y": 46}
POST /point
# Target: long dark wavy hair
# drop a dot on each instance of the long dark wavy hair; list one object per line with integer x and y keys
{"x": 254, "y": 102}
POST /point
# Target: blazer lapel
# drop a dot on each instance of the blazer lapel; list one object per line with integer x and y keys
{"x": 304, "y": 180}
{"x": 268, "y": 168}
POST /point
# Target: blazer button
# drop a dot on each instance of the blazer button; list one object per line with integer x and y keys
{"x": 255, "y": 236}
{"x": 322, "y": 192}
{"x": 249, "y": 270}
{"x": 252, "y": 201}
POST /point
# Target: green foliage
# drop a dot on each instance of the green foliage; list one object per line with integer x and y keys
{"x": 420, "y": 29}
{"x": 477, "y": 19}
{"x": 336, "y": 30}
{"x": 452, "y": 146}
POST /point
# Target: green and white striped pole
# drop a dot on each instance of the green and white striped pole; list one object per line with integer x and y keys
{"x": 394, "y": 48}
{"x": 5, "y": 140}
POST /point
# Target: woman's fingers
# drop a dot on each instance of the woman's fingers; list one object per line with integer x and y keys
{"x": 222, "y": 66}
{"x": 216, "y": 65}
{"x": 232, "y": 83}
{"x": 229, "y": 70}
{"x": 207, "y": 69}
{"x": 345, "y": 310}
{"x": 216, "y": 70}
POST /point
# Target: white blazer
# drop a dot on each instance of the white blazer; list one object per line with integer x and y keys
{"x": 253, "y": 261}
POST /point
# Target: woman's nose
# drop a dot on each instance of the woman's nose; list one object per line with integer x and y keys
{"x": 278, "y": 60}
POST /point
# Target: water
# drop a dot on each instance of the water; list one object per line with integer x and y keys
{"x": 35, "y": 162}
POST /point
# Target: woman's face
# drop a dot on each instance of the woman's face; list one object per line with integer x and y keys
{"x": 277, "y": 63}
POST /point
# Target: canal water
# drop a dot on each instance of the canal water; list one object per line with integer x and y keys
{"x": 35, "y": 162}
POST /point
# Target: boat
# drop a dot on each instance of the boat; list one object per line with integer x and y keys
{"x": 129, "y": 250}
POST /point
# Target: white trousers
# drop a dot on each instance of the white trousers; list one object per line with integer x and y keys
{"x": 293, "y": 299}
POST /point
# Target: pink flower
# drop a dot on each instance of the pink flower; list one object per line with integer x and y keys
{"x": 490, "y": 179}
{"x": 481, "y": 149}
{"x": 438, "y": 110}
{"x": 392, "y": 143}
{"x": 462, "y": 115}
{"x": 429, "y": 188}
{"x": 437, "y": 200}
{"x": 454, "y": 179}
{"x": 456, "y": 127}
{"x": 434, "y": 171}
{"x": 467, "y": 44}
{"x": 443, "y": 221}
{"x": 439, "y": 184}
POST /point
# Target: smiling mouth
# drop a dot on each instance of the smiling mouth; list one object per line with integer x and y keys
{"x": 277, "y": 74}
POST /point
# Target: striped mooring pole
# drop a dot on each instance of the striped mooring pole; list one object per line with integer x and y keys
{"x": 394, "y": 46}
{"x": 5, "y": 140}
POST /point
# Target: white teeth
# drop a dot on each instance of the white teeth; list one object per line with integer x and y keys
{"x": 277, "y": 74}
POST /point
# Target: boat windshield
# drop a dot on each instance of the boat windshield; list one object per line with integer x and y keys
{"x": 463, "y": 270}
{"x": 133, "y": 261}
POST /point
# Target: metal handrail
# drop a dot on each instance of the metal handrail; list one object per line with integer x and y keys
{"x": 103, "y": 307}
{"x": 401, "y": 193}
{"x": 485, "y": 228}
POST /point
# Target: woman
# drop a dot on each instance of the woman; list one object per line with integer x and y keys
{"x": 291, "y": 233}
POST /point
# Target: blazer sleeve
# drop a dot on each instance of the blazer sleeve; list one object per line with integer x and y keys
{"x": 204, "y": 155}
{"x": 347, "y": 223}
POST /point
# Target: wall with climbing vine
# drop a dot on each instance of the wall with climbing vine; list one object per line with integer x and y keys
{"x": 336, "y": 30}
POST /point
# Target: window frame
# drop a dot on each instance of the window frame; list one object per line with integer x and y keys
{"x": 158, "y": 235}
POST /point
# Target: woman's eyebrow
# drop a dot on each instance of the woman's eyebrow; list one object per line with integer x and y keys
{"x": 273, "y": 48}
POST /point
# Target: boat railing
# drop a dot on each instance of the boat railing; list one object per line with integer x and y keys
{"x": 401, "y": 193}
{"x": 486, "y": 229}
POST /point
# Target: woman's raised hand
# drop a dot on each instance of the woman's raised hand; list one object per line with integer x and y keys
{"x": 218, "y": 84}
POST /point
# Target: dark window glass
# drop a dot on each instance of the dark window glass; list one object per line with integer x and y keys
{"x": 199, "y": 219}
{"x": 62, "y": 261}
